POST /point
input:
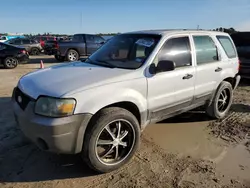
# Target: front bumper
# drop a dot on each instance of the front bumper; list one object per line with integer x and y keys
{"x": 58, "y": 135}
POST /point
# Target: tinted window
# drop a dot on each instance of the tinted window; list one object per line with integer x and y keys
{"x": 90, "y": 38}
{"x": 206, "y": 50}
{"x": 17, "y": 41}
{"x": 3, "y": 38}
{"x": 98, "y": 39}
{"x": 78, "y": 38}
{"x": 227, "y": 45}
{"x": 178, "y": 51}
{"x": 26, "y": 41}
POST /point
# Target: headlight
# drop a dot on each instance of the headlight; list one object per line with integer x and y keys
{"x": 54, "y": 107}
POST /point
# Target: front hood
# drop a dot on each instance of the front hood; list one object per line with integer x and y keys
{"x": 71, "y": 77}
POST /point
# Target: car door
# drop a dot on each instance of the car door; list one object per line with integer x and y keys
{"x": 207, "y": 67}
{"x": 2, "y": 51}
{"x": 99, "y": 41}
{"x": 91, "y": 44}
{"x": 17, "y": 42}
{"x": 26, "y": 44}
{"x": 169, "y": 92}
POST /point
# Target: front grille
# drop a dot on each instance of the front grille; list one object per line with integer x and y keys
{"x": 22, "y": 99}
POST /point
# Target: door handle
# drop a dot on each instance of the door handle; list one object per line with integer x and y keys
{"x": 187, "y": 76}
{"x": 218, "y": 69}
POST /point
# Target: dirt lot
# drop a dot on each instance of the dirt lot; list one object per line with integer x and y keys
{"x": 190, "y": 150}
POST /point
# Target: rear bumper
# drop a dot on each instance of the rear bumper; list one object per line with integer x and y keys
{"x": 59, "y": 135}
{"x": 23, "y": 58}
{"x": 237, "y": 81}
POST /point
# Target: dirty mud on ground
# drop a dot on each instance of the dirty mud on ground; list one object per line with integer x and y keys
{"x": 190, "y": 150}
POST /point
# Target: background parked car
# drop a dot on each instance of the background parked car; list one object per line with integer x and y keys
{"x": 242, "y": 42}
{"x": 32, "y": 46}
{"x": 81, "y": 45}
{"x": 43, "y": 39}
{"x": 8, "y": 37}
{"x": 11, "y": 56}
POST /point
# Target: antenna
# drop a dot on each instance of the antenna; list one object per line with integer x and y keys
{"x": 81, "y": 19}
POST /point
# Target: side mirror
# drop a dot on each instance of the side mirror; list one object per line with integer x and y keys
{"x": 164, "y": 66}
{"x": 102, "y": 42}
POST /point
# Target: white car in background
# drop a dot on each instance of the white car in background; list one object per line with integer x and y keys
{"x": 3, "y": 39}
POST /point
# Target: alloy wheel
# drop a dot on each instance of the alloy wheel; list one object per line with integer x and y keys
{"x": 223, "y": 101}
{"x": 11, "y": 62}
{"x": 115, "y": 142}
{"x": 72, "y": 56}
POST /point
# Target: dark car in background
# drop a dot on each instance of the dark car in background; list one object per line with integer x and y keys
{"x": 11, "y": 56}
{"x": 242, "y": 43}
{"x": 31, "y": 45}
{"x": 43, "y": 39}
{"x": 80, "y": 45}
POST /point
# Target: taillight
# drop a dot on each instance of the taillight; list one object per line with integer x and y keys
{"x": 239, "y": 62}
{"x": 23, "y": 51}
{"x": 56, "y": 45}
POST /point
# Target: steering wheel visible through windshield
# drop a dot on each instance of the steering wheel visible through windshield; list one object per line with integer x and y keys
{"x": 128, "y": 51}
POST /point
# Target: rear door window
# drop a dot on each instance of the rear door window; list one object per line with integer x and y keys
{"x": 17, "y": 41}
{"x": 78, "y": 38}
{"x": 90, "y": 38}
{"x": 227, "y": 45}
{"x": 206, "y": 51}
{"x": 26, "y": 41}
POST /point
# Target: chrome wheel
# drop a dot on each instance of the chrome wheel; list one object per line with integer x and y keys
{"x": 11, "y": 62}
{"x": 115, "y": 142}
{"x": 223, "y": 101}
{"x": 73, "y": 56}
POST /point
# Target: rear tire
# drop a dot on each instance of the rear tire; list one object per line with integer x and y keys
{"x": 10, "y": 62}
{"x": 222, "y": 101}
{"x": 59, "y": 58}
{"x": 72, "y": 55}
{"x": 35, "y": 51}
{"x": 104, "y": 133}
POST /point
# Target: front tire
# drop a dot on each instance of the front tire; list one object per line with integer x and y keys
{"x": 111, "y": 139}
{"x": 72, "y": 55}
{"x": 10, "y": 62}
{"x": 222, "y": 101}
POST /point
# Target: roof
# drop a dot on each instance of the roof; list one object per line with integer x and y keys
{"x": 175, "y": 31}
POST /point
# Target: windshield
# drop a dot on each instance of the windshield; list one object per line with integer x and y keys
{"x": 128, "y": 51}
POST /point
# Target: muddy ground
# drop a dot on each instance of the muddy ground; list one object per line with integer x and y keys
{"x": 190, "y": 150}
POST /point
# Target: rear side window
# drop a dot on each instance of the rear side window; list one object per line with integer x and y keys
{"x": 78, "y": 38}
{"x": 206, "y": 51}
{"x": 26, "y": 41}
{"x": 178, "y": 51}
{"x": 227, "y": 45}
{"x": 90, "y": 38}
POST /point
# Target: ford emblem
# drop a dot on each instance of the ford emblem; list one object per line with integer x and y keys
{"x": 19, "y": 99}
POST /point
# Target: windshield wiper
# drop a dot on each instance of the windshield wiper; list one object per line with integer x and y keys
{"x": 99, "y": 62}
{"x": 106, "y": 63}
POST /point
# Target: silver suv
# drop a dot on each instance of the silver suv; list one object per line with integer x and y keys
{"x": 98, "y": 107}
